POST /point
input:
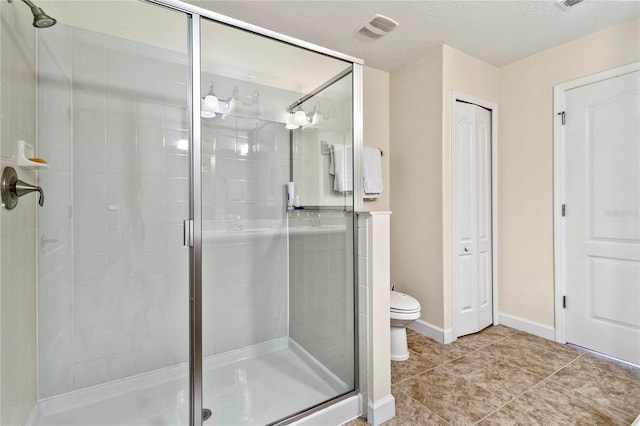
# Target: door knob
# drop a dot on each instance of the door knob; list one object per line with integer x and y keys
{"x": 466, "y": 249}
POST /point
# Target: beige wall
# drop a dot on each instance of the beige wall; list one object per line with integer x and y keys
{"x": 376, "y": 129}
{"x": 421, "y": 188}
{"x": 421, "y": 164}
{"x": 17, "y": 230}
{"x": 526, "y": 283}
{"x": 472, "y": 77}
{"x": 416, "y": 185}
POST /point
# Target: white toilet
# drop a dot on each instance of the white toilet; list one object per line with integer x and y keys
{"x": 404, "y": 309}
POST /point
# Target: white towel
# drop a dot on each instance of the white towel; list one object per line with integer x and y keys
{"x": 372, "y": 172}
{"x": 332, "y": 162}
{"x": 342, "y": 160}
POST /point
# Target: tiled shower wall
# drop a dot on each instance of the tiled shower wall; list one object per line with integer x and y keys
{"x": 113, "y": 281}
{"x": 18, "y": 226}
{"x": 113, "y": 278}
{"x": 245, "y": 166}
{"x": 321, "y": 288}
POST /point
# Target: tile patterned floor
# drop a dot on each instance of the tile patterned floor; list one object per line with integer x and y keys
{"x": 501, "y": 376}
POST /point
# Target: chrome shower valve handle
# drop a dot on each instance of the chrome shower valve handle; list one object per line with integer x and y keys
{"x": 12, "y": 188}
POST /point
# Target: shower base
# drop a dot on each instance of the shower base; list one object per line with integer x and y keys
{"x": 251, "y": 386}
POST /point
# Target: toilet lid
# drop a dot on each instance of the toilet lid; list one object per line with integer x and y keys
{"x": 403, "y": 302}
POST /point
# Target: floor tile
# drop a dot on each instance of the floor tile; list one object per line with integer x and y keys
{"x": 611, "y": 366}
{"x": 566, "y": 351}
{"x": 544, "y": 405}
{"x": 598, "y": 385}
{"x": 416, "y": 364}
{"x": 501, "y": 376}
{"x": 453, "y": 398}
{"x": 467, "y": 364}
{"x": 435, "y": 351}
{"x": 479, "y": 340}
{"x": 503, "y": 380}
{"x": 525, "y": 355}
{"x": 499, "y": 330}
{"x": 411, "y": 412}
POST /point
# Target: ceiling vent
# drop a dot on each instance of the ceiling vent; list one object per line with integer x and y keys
{"x": 380, "y": 25}
{"x": 565, "y": 4}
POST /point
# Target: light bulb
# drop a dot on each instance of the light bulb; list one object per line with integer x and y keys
{"x": 300, "y": 117}
{"x": 211, "y": 103}
{"x": 290, "y": 123}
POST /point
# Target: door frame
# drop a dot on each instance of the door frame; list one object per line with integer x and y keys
{"x": 559, "y": 182}
{"x": 493, "y": 107}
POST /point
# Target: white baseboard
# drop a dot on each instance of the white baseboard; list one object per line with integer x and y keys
{"x": 528, "y": 326}
{"x": 337, "y": 414}
{"x": 381, "y": 411}
{"x": 430, "y": 330}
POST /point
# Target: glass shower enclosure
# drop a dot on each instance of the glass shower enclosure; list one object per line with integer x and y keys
{"x": 196, "y": 250}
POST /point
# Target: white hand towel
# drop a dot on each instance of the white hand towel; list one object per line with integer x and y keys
{"x": 372, "y": 172}
{"x": 332, "y": 162}
{"x": 343, "y": 175}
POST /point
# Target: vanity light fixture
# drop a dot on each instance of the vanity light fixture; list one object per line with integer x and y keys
{"x": 210, "y": 105}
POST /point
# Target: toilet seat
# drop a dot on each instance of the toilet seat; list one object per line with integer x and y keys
{"x": 404, "y": 310}
{"x": 403, "y": 303}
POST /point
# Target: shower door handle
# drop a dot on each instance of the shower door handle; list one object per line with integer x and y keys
{"x": 11, "y": 188}
{"x": 187, "y": 232}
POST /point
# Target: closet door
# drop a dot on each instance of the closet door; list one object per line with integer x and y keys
{"x": 471, "y": 218}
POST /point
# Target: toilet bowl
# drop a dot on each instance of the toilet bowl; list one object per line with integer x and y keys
{"x": 404, "y": 309}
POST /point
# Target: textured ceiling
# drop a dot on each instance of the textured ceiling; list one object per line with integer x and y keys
{"x": 498, "y": 32}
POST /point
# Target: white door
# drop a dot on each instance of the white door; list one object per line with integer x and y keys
{"x": 602, "y": 221}
{"x": 471, "y": 218}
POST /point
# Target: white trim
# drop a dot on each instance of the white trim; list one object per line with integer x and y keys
{"x": 380, "y": 411}
{"x": 339, "y": 413}
{"x": 559, "y": 105}
{"x": 455, "y": 95}
{"x": 434, "y": 332}
{"x": 358, "y": 129}
{"x": 527, "y": 326}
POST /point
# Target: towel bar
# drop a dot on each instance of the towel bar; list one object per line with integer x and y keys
{"x": 325, "y": 148}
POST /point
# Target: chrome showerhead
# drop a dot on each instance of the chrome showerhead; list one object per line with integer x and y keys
{"x": 40, "y": 19}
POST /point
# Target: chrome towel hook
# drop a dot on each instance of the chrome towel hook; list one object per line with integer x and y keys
{"x": 12, "y": 188}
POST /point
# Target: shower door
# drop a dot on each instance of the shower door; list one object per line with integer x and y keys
{"x": 175, "y": 281}
{"x": 114, "y": 127}
{"x": 277, "y": 282}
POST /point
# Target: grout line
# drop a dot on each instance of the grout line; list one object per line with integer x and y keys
{"x": 427, "y": 408}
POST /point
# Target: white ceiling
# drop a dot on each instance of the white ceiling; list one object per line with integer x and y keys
{"x": 498, "y": 32}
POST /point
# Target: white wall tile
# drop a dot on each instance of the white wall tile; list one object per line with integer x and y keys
{"x": 119, "y": 213}
{"x": 89, "y": 373}
{"x": 321, "y": 306}
{"x": 89, "y": 159}
{"x": 55, "y": 381}
{"x": 131, "y": 192}
{"x": 17, "y": 227}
